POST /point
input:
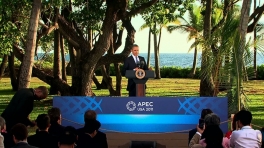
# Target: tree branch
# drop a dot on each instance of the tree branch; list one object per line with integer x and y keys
{"x": 257, "y": 11}
{"x": 225, "y": 12}
{"x": 62, "y": 85}
{"x": 256, "y": 15}
{"x": 69, "y": 33}
{"x": 120, "y": 58}
{"x": 137, "y": 10}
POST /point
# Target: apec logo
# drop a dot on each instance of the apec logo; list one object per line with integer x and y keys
{"x": 140, "y": 106}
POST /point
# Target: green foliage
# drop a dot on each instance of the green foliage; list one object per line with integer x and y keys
{"x": 89, "y": 13}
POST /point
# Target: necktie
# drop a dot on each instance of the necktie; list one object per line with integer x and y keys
{"x": 137, "y": 60}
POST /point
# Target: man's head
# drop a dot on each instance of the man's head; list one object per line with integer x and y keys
{"x": 68, "y": 138}
{"x": 135, "y": 50}
{"x": 19, "y": 132}
{"x": 2, "y": 123}
{"x": 211, "y": 119}
{"x": 41, "y": 92}
{"x": 90, "y": 115}
{"x": 43, "y": 122}
{"x": 205, "y": 112}
{"x": 243, "y": 118}
{"x": 55, "y": 115}
{"x": 92, "y": 127}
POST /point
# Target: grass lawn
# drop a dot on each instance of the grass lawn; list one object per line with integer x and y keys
{"x": 165, "y": 87}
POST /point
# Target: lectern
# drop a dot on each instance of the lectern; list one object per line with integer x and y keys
{"x": 140, "y": 77}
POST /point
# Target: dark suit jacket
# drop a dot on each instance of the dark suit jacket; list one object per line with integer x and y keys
{"x": 23, "y": 145}
{"x": 130, "y": 64}
{"x": 85, "y": 140}
{"x": 192, "y": 133}
{"x": 43, "y": 139}
{"x": 8, "y": 140}
{"x": 20, "y": 106}
{"x": 56, "y": 129}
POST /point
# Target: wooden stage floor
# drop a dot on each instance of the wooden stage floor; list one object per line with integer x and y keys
{"x": 164, "y": 140}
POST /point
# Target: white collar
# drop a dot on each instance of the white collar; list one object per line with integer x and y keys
{"x": 246, "y": 127}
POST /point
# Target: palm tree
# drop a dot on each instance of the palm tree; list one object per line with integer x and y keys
{"x": 194, "y": 27}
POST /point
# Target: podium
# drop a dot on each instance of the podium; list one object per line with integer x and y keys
{"x": 140, "y": 83}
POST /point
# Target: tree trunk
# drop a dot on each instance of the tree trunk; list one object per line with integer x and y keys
{"x": 3, "y": 65}
{"x": 149, "y": 47}
{"x": 118, "y": 80}
{"x": 12, "y": 71}
{"x": 108, "y": 81}
{"x": 28, "y": 59}
{"x": 56, "y": 61}
{"x": 255, "y": 49}
{"x": 63, "y": 61}
{"x": 193, "y": 71}
{"x": 243, "y": 25}
{"x": 156, "y": 54}
{"x": 97, "y": 83}
{"x": 206, "y": 83}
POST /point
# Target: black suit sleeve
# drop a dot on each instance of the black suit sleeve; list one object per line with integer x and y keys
{"x": 145, "y": 66}
{"x": 125, "y": 67}
{"x": 105, "y": 145}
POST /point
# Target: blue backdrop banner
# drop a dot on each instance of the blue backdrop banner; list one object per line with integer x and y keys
{"x": 141, "y": 114}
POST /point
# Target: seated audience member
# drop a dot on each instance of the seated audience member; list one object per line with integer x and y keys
{"x": 86, "y": 140}
{"x": 42, "y": 138}
{"x": 262, "y": 133}
{"x": 214, "y": 120}
{"x": 7, "y": 138}
{"x": 233, "y": 127}
{"x": 55, "y": 128}
{"x": 20, "y": 133}
{"x": 203, "y": 114}
{"x": 68, "y": 138}
{"x": 21, "y": 105}
{"x": 90, "y": 119}
{"x": 213, "y": 137}
{"x": 246, "y": 137}
{"x": 2, "y": 126}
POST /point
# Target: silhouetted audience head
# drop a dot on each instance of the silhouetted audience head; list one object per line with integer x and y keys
{"x": 205, "y": 112}
{"x": 213, "y": 136}
{"x": 92, "y": 127}
{"x": 234, "y": 122}
{"x": 68, "y": 138}
{"x": 90, "y": 115}
{"x": 19, "y": 132}
{"x": 43, "y": 121}
{"x": 244, "y": 118}
{"x": 2, "y": 123}
{"x": 55, "y": 115}
{"x": 211, "y": 119}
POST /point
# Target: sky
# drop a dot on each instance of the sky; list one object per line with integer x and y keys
{"x": 175, "y": 42}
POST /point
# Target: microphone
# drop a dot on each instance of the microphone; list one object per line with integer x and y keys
{"x": 138, "y": 64}
{"x": 142, "y": 64}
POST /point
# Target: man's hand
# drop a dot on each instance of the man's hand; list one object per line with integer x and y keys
{"x": 200, "y": 130}
{"x": 136, "y": 68}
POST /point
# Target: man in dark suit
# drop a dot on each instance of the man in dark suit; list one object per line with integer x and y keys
{"x": 91, "y": 137}
{"x": 21, "y": 105}
{"x": 42, "y": 139}
{"x": 55, "y": 129}
{"x": 20, "y": 133}
{"x": 96, "y": 138}
{"x": 133, "y": 62}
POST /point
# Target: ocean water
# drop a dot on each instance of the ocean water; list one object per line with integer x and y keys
{"x": 178, "y": 59}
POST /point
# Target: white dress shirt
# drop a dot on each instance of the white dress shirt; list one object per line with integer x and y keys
{"x": 134, "y": 57}
{"x": 246, "y": 138}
